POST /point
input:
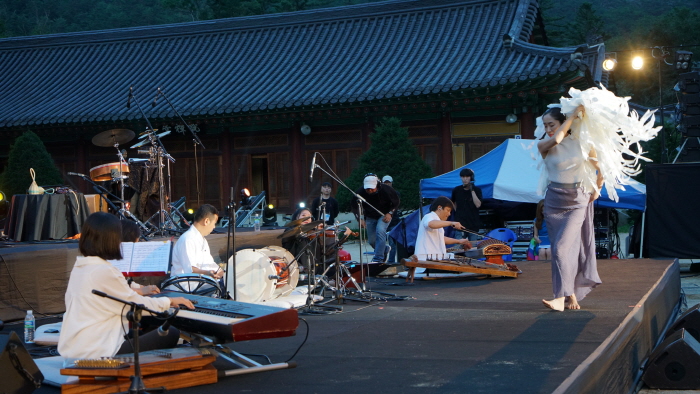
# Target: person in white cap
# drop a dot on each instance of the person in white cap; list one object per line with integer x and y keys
{"x": 386, "y": 200}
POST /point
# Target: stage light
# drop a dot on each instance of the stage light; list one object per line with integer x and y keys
{"x": 245, "y": 197}
{"x": 637, "y": 63}
{"x": 511, "y": 118}
{"x": 4, "y": 205}
{"x": 609, "y": 64}
{"x": 270, "y": 216}
{"x": 683, "y": 60}
{"x": 302, "y": 205}
{"x": 2, "y": 196}
{"x": 190, "y": 211}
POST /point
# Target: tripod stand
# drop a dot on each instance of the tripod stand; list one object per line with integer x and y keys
{"x": 311, "y": 308}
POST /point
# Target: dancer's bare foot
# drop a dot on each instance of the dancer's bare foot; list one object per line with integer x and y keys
{"x": 556, "y": 304}
{"x": 571, "y": 302}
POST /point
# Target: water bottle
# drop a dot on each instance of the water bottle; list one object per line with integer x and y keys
{"x": 256, "y": 223}
{"x": 29, "y": 325}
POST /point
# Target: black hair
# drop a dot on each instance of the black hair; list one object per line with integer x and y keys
{"x": 298, "y": 212}
{"x": 204, "y": 212}
{"x": 101, "y": 236}
{"x": 555, "y": 113}
{"x": 442, "y": 201}
{"x": 539, "y": 215}
{"x": 130, "y": 231}
{"x": 326, "y": 184}
{"x": 467, "y": 172}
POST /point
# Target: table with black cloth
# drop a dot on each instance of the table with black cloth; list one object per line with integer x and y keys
{"x": 46, "y": 216}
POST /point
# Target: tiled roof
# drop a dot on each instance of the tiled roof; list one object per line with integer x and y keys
{"x": 345, "y": 55}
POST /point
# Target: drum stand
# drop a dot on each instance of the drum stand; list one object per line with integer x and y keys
{"x": 340, "y": 288}
{"x": 311, "y": 308}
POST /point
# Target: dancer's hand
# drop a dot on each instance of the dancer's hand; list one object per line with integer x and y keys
{"x": 580, "y": 111}
{"x": 594, "y": 196}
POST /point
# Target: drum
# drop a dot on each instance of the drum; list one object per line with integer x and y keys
{"x": 255, "y": 276}
{"x": 286, "y": 269}
{"x": 197, "y": 284}
{"x": 104, "y": 172}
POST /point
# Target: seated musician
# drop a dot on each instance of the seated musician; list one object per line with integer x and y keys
{"x": 132, "y": 233}
{"x": 431, "y": 240}
{"x": 191, "y": 251}
{"x": 94, "y": 326}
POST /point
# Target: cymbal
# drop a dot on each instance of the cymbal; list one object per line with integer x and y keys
{"x": 292, "y": 232}
{"x": 110, "y": 137}
{"x": 299, "y": 221}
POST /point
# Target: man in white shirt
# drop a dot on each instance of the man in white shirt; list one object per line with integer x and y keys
{"x": 191, "y": 251}
{"x": 431, "y": 239}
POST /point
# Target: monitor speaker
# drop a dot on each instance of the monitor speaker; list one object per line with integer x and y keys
{"x": 19, "y": 372}
{"x": 690, "y": 321}
{"x": 674, "y": 363}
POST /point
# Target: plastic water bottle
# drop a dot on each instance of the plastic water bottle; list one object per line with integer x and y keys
{"x": 29, "y": 326}
{"x": 256, "y": 223}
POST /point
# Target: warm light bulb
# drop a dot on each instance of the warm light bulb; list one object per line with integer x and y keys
{"x": 637, "y": 63}
{"x": 190, "y": 211}
{"x": 270, "y": 206}
{"x": 609, "y": 64}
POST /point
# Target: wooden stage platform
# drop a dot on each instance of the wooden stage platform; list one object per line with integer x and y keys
{"x": 475, "y": 336}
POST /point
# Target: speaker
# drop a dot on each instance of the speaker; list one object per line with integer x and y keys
{"x": 19, "y": 372}
{"x": 690, "y": 321}
{"x": 674, "y": 363}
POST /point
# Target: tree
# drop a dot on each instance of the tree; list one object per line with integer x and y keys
{"x": 28, "y": 152}
{"x": 391, "y": 153}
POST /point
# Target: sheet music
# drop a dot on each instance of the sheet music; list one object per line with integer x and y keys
{"x": 153, "y": 256}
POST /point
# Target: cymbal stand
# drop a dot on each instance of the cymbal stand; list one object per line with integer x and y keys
{"x": 340, "y": 287}
{"x": 120, "y": 173}
{"x": 311, "y": 308}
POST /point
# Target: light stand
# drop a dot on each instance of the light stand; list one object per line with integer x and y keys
{"x": 134, "y": 316}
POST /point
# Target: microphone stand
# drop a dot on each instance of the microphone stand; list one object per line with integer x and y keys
{"x": 134, "y": 316}
{"x": 231, "y": 249}
{"x": 360, "y": 200}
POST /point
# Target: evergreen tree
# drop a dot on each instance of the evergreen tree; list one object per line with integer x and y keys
{"x": 28, "y": 152}
{"x": 391, "y": 153}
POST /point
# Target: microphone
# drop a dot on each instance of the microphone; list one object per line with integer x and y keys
{"x": 124, "y": 153}
{"x": 163, "y": 330}
{"x": 76, "y": 174}
{"x": 99, "y": 293}
{"x": 131, "y": 94}
{"x": 313, "y": 165}
{"x": 153, "y": 104}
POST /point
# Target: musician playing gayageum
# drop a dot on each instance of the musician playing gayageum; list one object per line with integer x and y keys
{"x": 431, "y": 240}
{"x": 191, "y": 251}
{"x": 94, "y": 326}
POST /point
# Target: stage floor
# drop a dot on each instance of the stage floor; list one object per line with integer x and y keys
{"x": 476, "y": 336}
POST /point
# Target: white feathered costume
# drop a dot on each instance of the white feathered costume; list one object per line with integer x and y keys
{"x": 612, "y": 130}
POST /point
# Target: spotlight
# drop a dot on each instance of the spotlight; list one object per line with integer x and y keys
{"x": 4, "y": 205}
{"x": 511, "y": 118}
{"x": 302, "y": 205}
{"x": 270, "y": 216}
{"x": 683, "y": 60}
{"x": 637, "y": 63}
{"x": 245, "y": 197}
{"x": 609, "y": 64}
{"x": 189, "y": 215}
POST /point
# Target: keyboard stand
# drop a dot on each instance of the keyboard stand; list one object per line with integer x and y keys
{"x": 242, "y": 364}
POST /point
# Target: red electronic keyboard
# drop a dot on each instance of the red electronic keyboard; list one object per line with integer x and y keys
{"x": 233, "y": 321}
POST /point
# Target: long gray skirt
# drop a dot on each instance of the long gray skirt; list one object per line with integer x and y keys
{"x": 569, "y": 218}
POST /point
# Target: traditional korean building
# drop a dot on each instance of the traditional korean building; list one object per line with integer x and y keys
{"x": 265, "y": 92}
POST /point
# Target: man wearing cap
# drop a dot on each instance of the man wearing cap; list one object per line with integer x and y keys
{"x": 385, "y": 199}
{"x": 389, "y": 181}
{"x": 329, "y": 204}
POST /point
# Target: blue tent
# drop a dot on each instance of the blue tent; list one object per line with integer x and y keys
{"x": 509, "y": 173}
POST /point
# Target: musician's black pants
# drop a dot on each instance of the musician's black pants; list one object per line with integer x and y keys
{"x": 152, "y": 341}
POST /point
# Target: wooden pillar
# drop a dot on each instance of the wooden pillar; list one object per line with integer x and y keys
{"x": 527, "y": 125}
{"x": 445, "y": 150}
{"x": 226, "y": 166}
{"x": 297, "y": 158}
{"x": 367, "y": 130}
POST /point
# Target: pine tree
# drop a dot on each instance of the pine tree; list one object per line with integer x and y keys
{"x": 391, "y": 153}
{"x": 28, "y": 152}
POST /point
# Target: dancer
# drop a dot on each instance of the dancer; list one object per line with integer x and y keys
{"x": 94, "y": 326}
{"x": 569, "y": 211}
{"x": 591, "y": 136}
